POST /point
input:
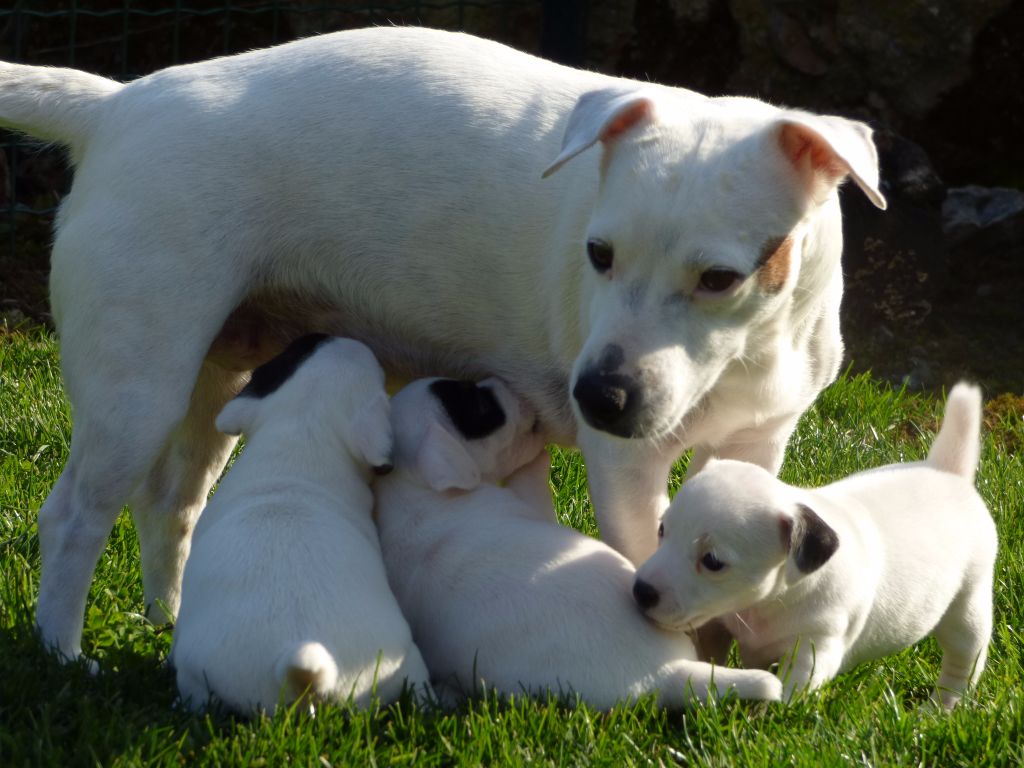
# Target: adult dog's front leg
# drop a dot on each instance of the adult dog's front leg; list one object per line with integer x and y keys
{"x": 629, "y": 490}
{"x": 765, "y": 446}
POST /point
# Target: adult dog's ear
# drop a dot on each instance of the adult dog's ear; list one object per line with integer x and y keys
{"x": 238, "y": 415}
{"x": 811, "y": 542}
{"x": 444, "y": 463}
{"x": 824, "y": 150}
{"x": 603, "y": 116}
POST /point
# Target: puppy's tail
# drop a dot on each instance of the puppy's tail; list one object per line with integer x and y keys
{"x": 51, "y": 103}
{"x": 688, "y": 681}
{"x": 306, "y": 669}
{"x": 958, "y": 445}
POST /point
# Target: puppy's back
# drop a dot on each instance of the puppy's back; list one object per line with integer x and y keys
{"x": 957, "y": 447}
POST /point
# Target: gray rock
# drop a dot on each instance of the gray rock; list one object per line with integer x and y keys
{"x": 920, "y": 376}
{"x": 988, "y": 216}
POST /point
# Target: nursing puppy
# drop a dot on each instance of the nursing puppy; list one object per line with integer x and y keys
{"x": 649, "y": 268}
{"x": 824, "y": 579}
{"x": 498, "y": 594}
{"x": 285, "y": 591}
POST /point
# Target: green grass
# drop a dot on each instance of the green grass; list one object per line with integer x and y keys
{"x": 875, "y": 715}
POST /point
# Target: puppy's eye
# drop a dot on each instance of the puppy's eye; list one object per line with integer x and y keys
{"x": 601, "y": 254}
{"x": 718, "y": 280}
{"x": 661, "y": 532}
{"x": 711, "y": 562}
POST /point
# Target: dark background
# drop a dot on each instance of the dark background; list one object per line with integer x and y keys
{"x": 934, "y": 285}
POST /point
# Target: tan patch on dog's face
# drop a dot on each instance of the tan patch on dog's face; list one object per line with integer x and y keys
{"x": 774, "y": 264}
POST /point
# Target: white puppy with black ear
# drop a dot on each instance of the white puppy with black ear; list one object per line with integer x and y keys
{"x": 498, "y": 594}
{"x": 825, "y": 579}
{"x": 285, "y": 591}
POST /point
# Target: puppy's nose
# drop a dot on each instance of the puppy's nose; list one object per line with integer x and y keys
{"x": 646, "y": 596}
{"x": 608, "y": 401}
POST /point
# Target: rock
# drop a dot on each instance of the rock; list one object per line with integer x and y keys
{"x": 518, "y": 25}
{"x": 11, "y": 318}
{"x": 947, "y": 72}
{"x": 984, "y": 227}
{"x": 895, "y": 260}
{"x": 5, "y": 182}
{"x": 907, "y": 171}
{"x": 689, "y": 43}
{"x": 988, "y": 218}
{"x": 974, "y": 132}
{"x": 920, "y": 375}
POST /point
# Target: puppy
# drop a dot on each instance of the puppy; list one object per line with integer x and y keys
{"x": 498, "y": 594}
{"x": 827, "y": 578}
{"x": 285, "y": 591}
{"x": 649, "y": 268}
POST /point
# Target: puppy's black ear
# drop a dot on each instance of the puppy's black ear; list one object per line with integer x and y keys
{"x": 810, "y": 540}
{"x": 474, "y": 410}
{"x": 269, "y": 377}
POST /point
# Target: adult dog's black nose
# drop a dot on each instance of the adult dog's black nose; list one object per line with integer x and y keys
{"x": 608, "y": 401}
{"x": 646, "y": 596}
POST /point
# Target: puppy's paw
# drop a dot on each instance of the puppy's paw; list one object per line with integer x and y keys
{"x": 772, "y": 686}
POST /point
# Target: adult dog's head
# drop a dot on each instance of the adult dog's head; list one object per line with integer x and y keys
{"x": 715, "y": 233}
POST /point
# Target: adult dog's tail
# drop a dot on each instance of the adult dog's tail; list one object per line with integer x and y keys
{"x": 58, "y": 105}
{"x": 957, "y": 447}
{"x": 307, "y": 669}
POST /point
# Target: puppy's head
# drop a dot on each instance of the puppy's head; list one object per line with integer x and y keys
{"x": 715, "y": 222}
{"x": 733, "y": 537}
{"x": 322, "y": 384}
{"x": 456, "y": 434}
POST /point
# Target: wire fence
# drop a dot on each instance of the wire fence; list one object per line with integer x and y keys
{"x": 126, "y": 39}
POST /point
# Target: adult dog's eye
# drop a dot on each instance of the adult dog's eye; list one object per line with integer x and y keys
{"x": 661, "y": 532}
{"x": 711, "y": 562}
{"x": 601, "y": 254}
{"x": 718, "y": 280}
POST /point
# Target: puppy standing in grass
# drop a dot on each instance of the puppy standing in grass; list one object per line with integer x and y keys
{"x": 285, "y": 590}
{"x": 496, "y": 591}
{"x": 827, "y": 578}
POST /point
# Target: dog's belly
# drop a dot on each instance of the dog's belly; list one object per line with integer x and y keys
{"x": 263, "y": 325}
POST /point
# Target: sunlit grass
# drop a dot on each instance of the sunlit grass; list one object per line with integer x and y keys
{"x": 875, "y": 715}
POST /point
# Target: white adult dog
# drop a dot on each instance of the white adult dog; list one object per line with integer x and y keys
{"x": 827, "y": 578}
{"x": 285, "y": 590}
{"x": 497, "y": 593}
{"x": 386, "y": 184}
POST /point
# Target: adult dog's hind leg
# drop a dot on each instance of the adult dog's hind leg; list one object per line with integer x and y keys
{"x": 130, "y": 364}
{"x": 168, "y": 502}
{"x": 107, "y": 461}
